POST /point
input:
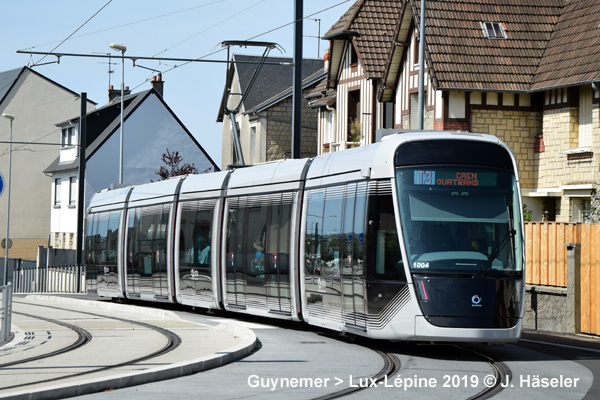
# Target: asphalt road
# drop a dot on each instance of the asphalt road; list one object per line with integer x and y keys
{"x": 294, "y": 361}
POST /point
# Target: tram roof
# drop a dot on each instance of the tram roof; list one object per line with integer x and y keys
{"x": 376, "y": 160}
{"x": 109, "y": 197}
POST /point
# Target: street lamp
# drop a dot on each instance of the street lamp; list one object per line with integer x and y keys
{"x": 122, "y": 48}
{"x": 10, "y": 117}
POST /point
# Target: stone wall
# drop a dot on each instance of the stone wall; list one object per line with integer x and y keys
{"x": 546, "y": 309}
{"x": 279, "y": 130}
{"x": 556, "y": 309}
{"x": 518, "y": 130}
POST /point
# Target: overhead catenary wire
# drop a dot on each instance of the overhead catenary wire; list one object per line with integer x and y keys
{"x": 129, "y": 23}
{"x": 264, "y": 33}
{"x": 75, "y": 31}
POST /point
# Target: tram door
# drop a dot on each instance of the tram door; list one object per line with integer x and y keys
{"x": 278, "y": 258}
{"x": 234, "y": 263}
{"x": 257, "y": 260}
{"x": 353, "y": 275}
{"x": 132, "y": 257}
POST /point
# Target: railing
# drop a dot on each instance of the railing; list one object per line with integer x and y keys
{"x": 30, "y": 278}
{"x": 5, "y": 313}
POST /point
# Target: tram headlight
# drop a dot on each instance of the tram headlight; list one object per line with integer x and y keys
{"x": 422, "y": 289}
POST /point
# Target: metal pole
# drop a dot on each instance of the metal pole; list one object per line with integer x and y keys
{"x": 81, "y": 182}
{"x": 122, "y": 111}
{"x": 6, "y": 244}
{"x": 297, "y": 90}
{"x": 421, "y": 67}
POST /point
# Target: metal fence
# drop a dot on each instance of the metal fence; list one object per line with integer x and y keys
{"x": 31, "y": 278}
{"x": 55, "y": 271}
{"x": 5, "y": 312}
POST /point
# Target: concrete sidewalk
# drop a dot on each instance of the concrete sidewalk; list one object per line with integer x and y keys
{"x": 202, "y": 347}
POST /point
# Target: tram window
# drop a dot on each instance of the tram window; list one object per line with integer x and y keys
{"x": 348, "y": 230}
{"x": 89, "y": 239}
{"x": 332, "y": 223}
{"x": 145, "y": 235}
{"x": 383, "y": 236}
{"x": 195, "y": 234}
{"x": 132, "y": 239}
{"x": 113, "y": 236}
{"x": 256, "y": 241}
{"x": 335, "y": 230}
{"x": 101, "y": 237}
{"x": 314, "y": 229}
{"x": 359, "y": 228}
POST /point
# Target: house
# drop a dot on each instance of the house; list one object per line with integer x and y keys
{"x": 523, "y": 71}
{"x": 265, "y": 116}
{"x": 150, "y": 127}
{"x": 36, "y": 103}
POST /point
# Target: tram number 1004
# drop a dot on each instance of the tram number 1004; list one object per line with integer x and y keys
{"x": 420, "y": 265}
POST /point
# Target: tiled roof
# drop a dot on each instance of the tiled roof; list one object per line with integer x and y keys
{"x": 272, "y": 79}
{"x": 342, "y": 25}
{"x": 572, "y": 55}
{"x": 461, "y": 56}
{"x": 376, "y": 22}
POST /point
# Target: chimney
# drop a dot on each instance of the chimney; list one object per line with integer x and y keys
{"x": 326, "y": 59}
{"x": 158, "y": 84}
{"x": 116, "y": 93}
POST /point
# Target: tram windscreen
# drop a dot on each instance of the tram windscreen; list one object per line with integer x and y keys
{"x": 459, "y": 219}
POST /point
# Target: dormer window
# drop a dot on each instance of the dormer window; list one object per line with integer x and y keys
{"x": 68, "y": 137}
{"x": 493, "y": 30}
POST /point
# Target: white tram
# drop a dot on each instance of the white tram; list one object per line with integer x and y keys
{"x": 417, "y": 237}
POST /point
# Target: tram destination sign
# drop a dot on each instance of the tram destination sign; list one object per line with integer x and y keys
{"x": 455, "y": 178}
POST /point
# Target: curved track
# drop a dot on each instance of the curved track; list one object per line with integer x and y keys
{"x": 501, "y": 372}
{"x": 84, "y": 337}
{"x": 391, "y": 365}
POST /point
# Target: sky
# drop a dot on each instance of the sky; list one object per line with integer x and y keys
{"x": 187, "y": 29}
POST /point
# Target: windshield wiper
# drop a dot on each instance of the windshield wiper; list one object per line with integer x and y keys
{"x": 495, "y": 253}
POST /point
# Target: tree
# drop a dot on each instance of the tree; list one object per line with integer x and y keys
{"x": 174, "y": 167}
{"x": 595, "y": 208}
{"x": 527, "y": 214}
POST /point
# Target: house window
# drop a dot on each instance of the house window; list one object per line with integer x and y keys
{"x": 493, "y": 30}
{"x": 580, "y": 210}
{"x": 327, "y": 126}
{"x": 585, "y": 116}
{"x": 414, "y": 110}
{"x": 68, "y": 137}
{"x": 253, "y": 145}
{"x": 353, "y": 56}
{"x": 57, "y": 192}
{"x": 416, "y": 50}
{"x": 354, "y": 129}
{"x": 72, "y": 191}
{"x": 388, "y": 115}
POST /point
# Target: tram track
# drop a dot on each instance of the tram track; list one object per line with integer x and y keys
{"x": 502, "y": 374}
{"x": 391, "y": 365}
{"x": 84, "y": 337}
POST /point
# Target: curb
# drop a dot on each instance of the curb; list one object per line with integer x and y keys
{"x": 176, "y": 370}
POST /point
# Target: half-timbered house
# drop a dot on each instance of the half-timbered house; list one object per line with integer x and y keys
{"x": 523, "y": 71}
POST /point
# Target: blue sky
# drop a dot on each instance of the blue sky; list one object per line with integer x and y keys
{"x": 149, "y": 28}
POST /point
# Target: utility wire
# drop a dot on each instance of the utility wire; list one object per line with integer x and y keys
{"x": 210, "y": 27}
{"x": 82, "y": 25}
{"x": 303, "y": 18}
{"x": 129, "y": 23}
{"x": 254, "y": 37}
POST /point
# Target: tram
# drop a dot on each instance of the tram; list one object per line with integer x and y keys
{"x": 416, "y": 237}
